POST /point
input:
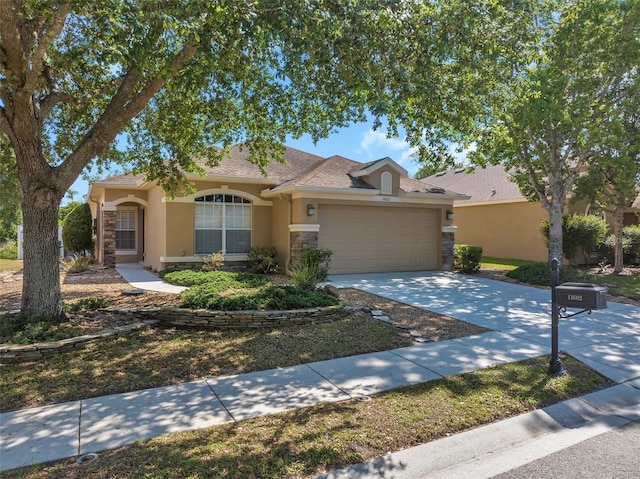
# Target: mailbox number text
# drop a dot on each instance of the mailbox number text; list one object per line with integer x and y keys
{"x": 574, "y": 297}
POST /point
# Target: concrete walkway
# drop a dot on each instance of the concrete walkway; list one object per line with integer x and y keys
{"x": 607, "y": 340}
{"x": 138, "y": 277}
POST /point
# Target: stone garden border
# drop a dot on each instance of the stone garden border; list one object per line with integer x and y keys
{"x": 197, "y": 318}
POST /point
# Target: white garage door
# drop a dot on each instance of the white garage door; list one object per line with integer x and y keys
{"x": 367, "y": 239}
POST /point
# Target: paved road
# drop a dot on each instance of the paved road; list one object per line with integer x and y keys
{"x": 612, "y": 455}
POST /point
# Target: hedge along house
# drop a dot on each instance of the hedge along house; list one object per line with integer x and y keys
{"x": 372, "y": 216}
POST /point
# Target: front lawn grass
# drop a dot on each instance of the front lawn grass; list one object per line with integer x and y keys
{"x": 488, "y": 262}
{"x": 10, "y": 264}
{"x": 163, "y": 356}
{"x": 307, "y": 442}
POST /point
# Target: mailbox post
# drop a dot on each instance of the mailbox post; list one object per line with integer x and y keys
{"x": 570, "y": 295}
{"x": 555, "y": 368}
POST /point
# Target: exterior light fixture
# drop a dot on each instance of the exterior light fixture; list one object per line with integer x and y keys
{"x": 449, "y": 215}
{"x": 311, "y": 210}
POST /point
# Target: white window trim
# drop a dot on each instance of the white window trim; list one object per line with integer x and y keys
{"x": 228, "y": 256}
{"x": 129, "y": 252}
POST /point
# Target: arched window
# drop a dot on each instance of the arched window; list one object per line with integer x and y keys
{"x": 222, "y": 223}
{"x": 385, "y": 183}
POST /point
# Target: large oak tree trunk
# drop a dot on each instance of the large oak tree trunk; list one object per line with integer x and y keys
{"x": 41, "y": 293}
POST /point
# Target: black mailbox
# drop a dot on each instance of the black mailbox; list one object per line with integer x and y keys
{"x": 581, "y": 295}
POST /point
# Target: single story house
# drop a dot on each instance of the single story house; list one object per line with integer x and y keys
{"x": 371, "y": 215}
{"x": 495, "y": 215}
{"x": 498, "y": 217}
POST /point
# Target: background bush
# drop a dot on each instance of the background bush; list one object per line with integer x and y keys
{"x": 630, "y": 246}
{"x": 467, "y": 257}
{"x": 77, "y": 229}
{"x": 9, "y": 249}
{"x": 540, "y": 273}
{"x": 580, "y": 234}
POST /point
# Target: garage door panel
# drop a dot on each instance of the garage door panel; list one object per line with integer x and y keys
{"x": 370, "y": 239}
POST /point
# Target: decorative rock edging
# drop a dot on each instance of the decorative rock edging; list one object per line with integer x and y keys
{"x": 204, "y": 318}
{"x": 30, "y": 352}
{"x": 379, "y": 315}
{"x": 176, "y": 317}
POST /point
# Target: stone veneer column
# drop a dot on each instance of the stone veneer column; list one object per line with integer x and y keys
{"x": 448, "y": 240}
{"x": 301, "y": 236}
{"x": 109, "y": 238}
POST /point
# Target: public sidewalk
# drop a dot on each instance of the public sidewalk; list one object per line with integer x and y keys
{"x": 607, "y": 340}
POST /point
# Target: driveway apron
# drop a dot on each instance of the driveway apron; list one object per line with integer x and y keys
{"x": 608, "y": 340}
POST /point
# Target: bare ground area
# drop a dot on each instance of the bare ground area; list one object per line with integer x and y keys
{"x": 108, "y": 284}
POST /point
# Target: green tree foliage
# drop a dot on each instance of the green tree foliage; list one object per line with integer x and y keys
{"x": 76, "y": 230}
{"x": 549, "y": 119}
{"x": 580, "y": 234}
{"x": 172, "y": 79}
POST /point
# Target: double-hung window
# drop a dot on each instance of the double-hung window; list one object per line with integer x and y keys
{"x": 222, "y": 223}
{"x": 126, "y": 230}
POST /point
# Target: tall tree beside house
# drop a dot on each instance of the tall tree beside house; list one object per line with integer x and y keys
{"x": 547, "y": 121}
{"x": 168, "y": 80}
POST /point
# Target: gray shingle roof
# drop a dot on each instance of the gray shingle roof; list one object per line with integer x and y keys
{"x": 298, "y": 169}
{"x": 481, "y": 184}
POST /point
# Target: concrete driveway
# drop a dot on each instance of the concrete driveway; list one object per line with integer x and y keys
{"x": 520, "y": 316}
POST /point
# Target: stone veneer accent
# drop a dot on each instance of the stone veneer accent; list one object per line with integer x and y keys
{"x": 109, "y": 239}
{"x": 300, "y": 240}
{"x": 448, "y": 240}
{"x": 177, "y": 317}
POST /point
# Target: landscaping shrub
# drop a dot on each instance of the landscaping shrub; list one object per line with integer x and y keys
{"x": 77, "y": 264}
{"x": 304, "y": 277}
{"x": 221, "y": 279}
{"x": 540, "y": 273}
{"x": 21, "y": 329}
{"x": 580, "y": 233}
{"x": 9, "y": 250}
{"x": 273, "y": 297}
{"x": 212, "y": 262}
{"x": 630, "y": 246}
{"x": 89, "y": 304}
{"x": 467, "y": 257}
{"x": 263, "y": 259}
{"x": 317, "y": 259}
{"x": 77, "y": 229}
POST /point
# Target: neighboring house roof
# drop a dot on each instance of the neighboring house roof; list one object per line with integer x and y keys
{"x": 482, "y": 185}
{"x": 300, "y": 170}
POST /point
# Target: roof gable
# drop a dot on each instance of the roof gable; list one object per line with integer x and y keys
{"x": 369, "y": 168}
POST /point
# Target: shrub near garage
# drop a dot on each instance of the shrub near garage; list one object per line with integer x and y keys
{"x": 467, "y": 258}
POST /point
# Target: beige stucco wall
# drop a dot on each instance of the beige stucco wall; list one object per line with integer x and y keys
{"x": 280, "y": 215}
{"x": 506, "y": 230}
{"x": 180, "y": 226}
{"x": 155, "y": 229}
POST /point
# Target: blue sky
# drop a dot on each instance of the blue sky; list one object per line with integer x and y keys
{"x": 358, "y": 142}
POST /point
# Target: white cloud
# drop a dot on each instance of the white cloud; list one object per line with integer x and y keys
{"x": 374, "y": 141}
{"x": 461, "y": 156}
